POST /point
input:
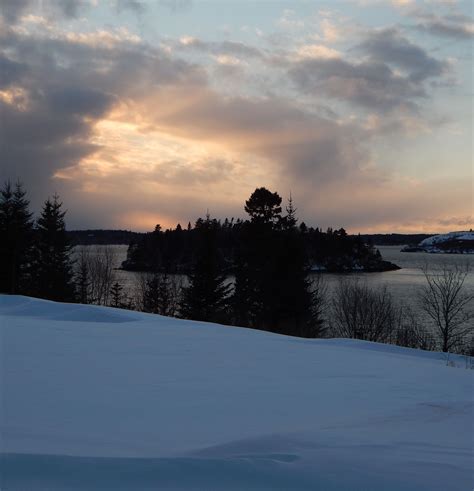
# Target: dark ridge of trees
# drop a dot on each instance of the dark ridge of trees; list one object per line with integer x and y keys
{"x": 102, "y": 237}
{"x": 175, "y": 249}
{"x": 394, "y": 239}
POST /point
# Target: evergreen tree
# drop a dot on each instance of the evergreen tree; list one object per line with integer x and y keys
{"x": 52, "y": 267}
{"x": 263, "y": 206}
{"x": 205, "y": 298}
{"x": 116, "y": 293}
{"x": 83, "y": 282}
{"x": 16, "y": 228}
{"x": 161, "y": 295}
{"x": 272, "y": 291}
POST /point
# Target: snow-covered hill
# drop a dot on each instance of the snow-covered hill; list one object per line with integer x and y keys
{"x": 96, "y": 398}
{"x": 453, "y": 242}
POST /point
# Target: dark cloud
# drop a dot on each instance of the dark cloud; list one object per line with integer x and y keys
{"x": 77, "y": 101}
{"x": 60, "y": 89}
{"x": 391, "y": 75}
{"x": 11, "y": 10}
{"x": 449, "y": 27}
{"x": 222, "y": 48}
{"x": 10, "y": 71}
{"x": 69, "y": 8}
{"x": 136, "y": 6}
{"x": 390, "y": 47}
{"x": 372, "y": 85}
{"x": 37, "y": 141}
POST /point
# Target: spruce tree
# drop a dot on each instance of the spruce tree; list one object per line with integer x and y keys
{"x": 52, "y": 267}
{"x": 83, "y": 285}
{"x": 206, "y": 296}
{"x": 161, "y": 295}
{"x": 291, "y": 299}
{"x": 116, "y": 293}
{"x": 16, "y": 228}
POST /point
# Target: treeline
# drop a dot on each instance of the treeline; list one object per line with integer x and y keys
{"x": 175, "y": 250}
{"x": 394, "y": 239}
{"x": 102, "y": 237}
{"x": 270, "y": 287}
{"x": 35, "y": 256}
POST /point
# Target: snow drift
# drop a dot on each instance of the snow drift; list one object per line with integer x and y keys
{"x": 98, "y": 398}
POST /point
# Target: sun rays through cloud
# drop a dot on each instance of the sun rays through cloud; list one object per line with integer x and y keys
{"x": 142, "y": 112}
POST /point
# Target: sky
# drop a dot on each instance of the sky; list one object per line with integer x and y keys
{"x": 142, "y": 112}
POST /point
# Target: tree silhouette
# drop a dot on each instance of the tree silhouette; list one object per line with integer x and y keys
{"x": 263, "y": 206}
{"x": 116, "y": 295}
{"x": 449, "y": 304}
{"x": 161, "y": 295}
{"x": 206, "y": 296}
{"x": 53, "y": 276}
{"x": 16, "y": 228}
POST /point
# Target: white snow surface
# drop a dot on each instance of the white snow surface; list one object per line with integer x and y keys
{"x": 438, "y": 239}
{"x": 95, "y": 398}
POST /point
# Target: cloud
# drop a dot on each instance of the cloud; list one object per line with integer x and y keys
{"x": 289, "y": 21}
{"x": 371, "y": 85}
{"x": 230, "y": 48}
{"x": 389, "y": 76}
{"x": 455, "y": 27}
{"x": 176, "y": 5}
{"x": 56, "y": 89}
{"x": 317, "y": 51}
{"x": 389, "y": 46}
{"x": 12, "y": 10}
{"x": 90, "y": 113}
{"x": 10, "y": 71}
{"x": 137, "y": 6}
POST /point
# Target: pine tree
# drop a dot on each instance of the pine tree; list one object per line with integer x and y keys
{"x": 52, "y": 266}
{"x": 263, "y": 206}
{"x": 16, "y": 228}
{"x": 206, "y": 296}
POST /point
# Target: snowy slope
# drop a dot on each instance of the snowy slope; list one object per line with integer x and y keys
{"x": 96, "y": 398}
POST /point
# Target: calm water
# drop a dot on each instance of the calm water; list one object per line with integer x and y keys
{"x": 403, "y": 284}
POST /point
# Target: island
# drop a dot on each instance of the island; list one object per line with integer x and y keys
{"x": 461, "y": 242}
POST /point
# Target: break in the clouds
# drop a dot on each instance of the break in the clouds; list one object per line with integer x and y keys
{"x": 143, "y": 112}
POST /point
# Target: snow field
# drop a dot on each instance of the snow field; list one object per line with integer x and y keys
{"x": 98, "y": 398}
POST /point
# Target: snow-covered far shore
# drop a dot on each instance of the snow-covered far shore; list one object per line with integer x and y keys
{"x": 98, "y": 398}
{"x": 450, "y": 243}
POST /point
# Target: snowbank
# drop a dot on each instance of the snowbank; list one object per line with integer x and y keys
{"x": 98, "y": 398}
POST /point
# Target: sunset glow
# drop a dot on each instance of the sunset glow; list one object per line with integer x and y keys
{"x": 139, "y": 113}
